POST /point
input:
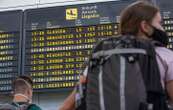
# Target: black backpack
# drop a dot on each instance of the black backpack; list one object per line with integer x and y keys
{"x": 123, "y": 74}
{"x": 15, "y": 106}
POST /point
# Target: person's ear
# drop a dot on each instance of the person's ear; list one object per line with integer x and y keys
{"x": 145, "y": 28}
{"x": 29, "y": 93}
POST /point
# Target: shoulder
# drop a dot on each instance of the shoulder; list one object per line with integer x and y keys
{"x": 34, "y": 107}
{"x": 7, "y": 106}
{"x": 165, "y": 61}
{"x": 165, "y": 54}
{"x": 164, "y": 50}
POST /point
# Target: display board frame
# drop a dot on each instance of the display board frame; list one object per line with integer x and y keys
{"x": 11, "y": 27}
{"x": 106, "y": 16}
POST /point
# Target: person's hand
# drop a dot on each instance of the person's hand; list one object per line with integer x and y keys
{"x": 69, "y": 103}
{"x": 82, "y": 79}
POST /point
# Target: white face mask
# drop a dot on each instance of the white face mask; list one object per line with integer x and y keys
{"x": 29, "y": 100}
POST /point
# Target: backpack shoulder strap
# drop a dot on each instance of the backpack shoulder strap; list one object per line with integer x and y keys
{"x": 151, "y": 75}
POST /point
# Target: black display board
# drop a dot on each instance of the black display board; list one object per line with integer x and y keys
{"x": 58, "y": 40}
{"x": 166, "y": 7}
{"x": 10, "y": 48}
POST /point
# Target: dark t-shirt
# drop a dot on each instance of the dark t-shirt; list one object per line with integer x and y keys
{"x": 31, "y": 106}
{"x": 34, "y": 107}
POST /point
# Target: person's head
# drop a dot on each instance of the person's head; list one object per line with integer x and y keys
{"x": 22, "y": 85}
{"x": 143, "y": 20}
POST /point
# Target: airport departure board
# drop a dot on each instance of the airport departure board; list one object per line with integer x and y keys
{"x": 167, "y": 15}
{"x": 55, "y": 42}
{"x": 58, "y": 40}
{"x": 10, "y": 41}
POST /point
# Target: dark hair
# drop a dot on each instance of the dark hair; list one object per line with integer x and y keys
{"x": 134, "y": 14}
{"x": 27, "y": 78}
{"x": 21, "y": 84}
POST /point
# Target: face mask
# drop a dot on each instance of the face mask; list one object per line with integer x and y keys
{"x": 160, "y": 36}
{"x": 29, "y": 100}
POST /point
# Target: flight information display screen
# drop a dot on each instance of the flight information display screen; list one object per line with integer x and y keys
{"x": 167, "y": 15}
{"x": 58, "y": 40}
{"x": 10, "y": 41}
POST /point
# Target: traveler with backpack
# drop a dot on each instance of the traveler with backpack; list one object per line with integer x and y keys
{"x": 22, "y": 100}
{"x": 136, "y": 63}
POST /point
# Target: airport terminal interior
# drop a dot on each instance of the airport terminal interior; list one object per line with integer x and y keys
{"x": 50, "y": 40}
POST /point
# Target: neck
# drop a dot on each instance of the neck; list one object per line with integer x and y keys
{"x": 20, "y": 98}
{"x": 142, "y": 36}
